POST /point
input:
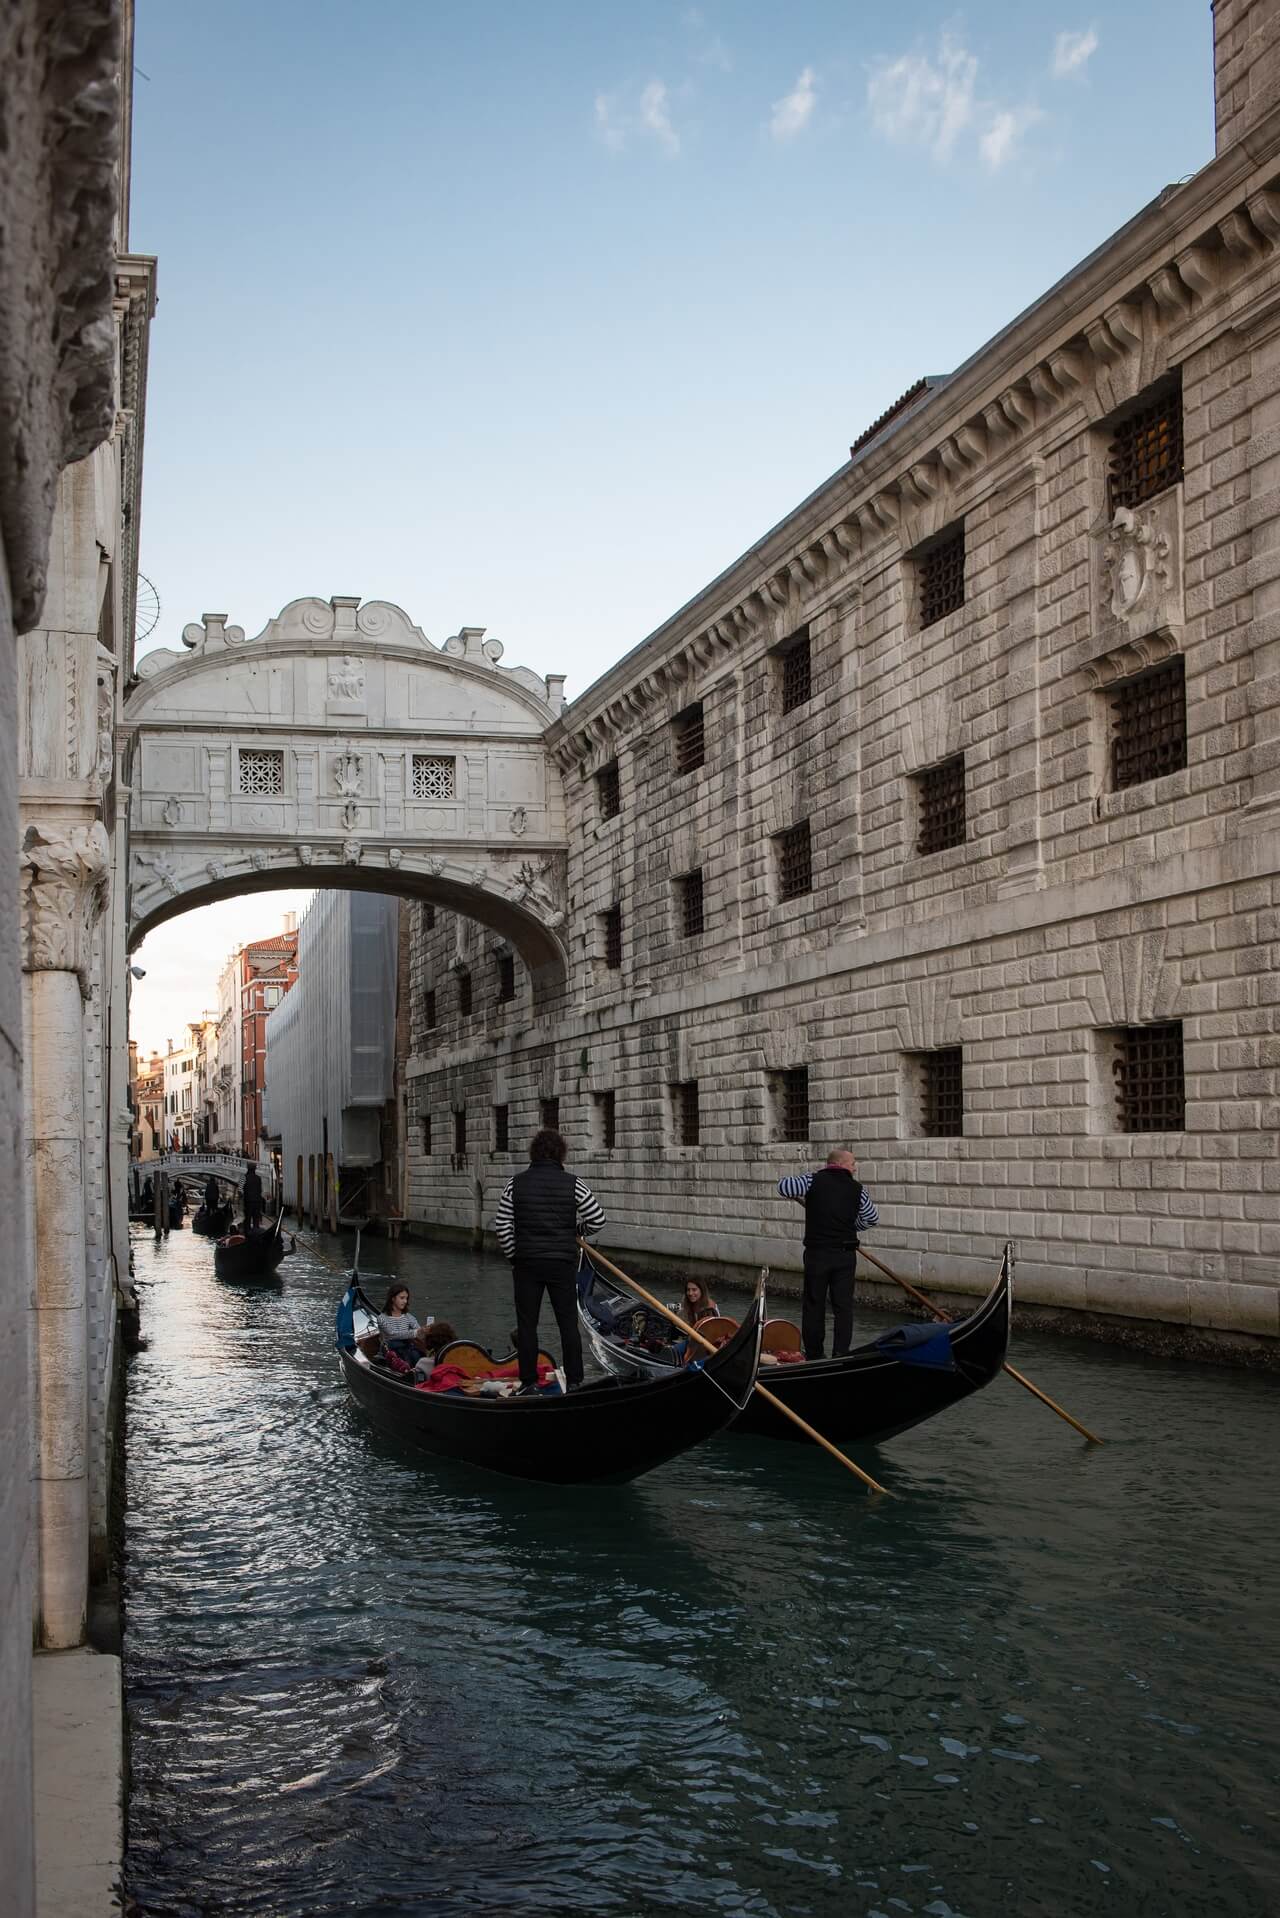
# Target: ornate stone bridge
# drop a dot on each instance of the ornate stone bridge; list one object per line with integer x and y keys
{"x": 339, "y": 746}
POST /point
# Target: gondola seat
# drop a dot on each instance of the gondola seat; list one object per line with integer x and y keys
{"x": 780, "y": 1335}
{"x": 479, "y": 1364}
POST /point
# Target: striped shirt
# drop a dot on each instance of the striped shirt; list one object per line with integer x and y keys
{"x": 796, "y": 1186}
{"x": 590, "y": 1215}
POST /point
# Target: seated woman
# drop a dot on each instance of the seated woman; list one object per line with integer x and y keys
{"x": 400, "y": 1331}
{"x": 696, "y": 1305}
{"x": 431, "y": 1341}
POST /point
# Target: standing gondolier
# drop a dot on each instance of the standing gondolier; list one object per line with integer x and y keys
{"x": 543, "y": 1212}
{"x": 252, "y": 1196}
{"x": 836, "y": 1209}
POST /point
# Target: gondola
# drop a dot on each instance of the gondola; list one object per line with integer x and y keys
{"x": 251, "y": 1258}
{"x": 213, "y": 1225}
{"x": 608, "y": 1430}
{"x": 876, "y": 1391}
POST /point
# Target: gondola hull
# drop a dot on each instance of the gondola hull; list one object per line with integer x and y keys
{"x": 252, "y": 1260}
{"x": 867, "y": 1395}
{"x": 607, "y": 1432}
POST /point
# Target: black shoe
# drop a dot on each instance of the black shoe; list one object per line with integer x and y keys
{"x": 526, "y": 1392}
{"x": 575, "y": 1385}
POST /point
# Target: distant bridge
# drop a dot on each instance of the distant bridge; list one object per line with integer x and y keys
{"x": 230, "y": 1167}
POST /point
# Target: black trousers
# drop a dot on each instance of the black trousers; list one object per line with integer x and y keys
{"x": 827, "y": 1272}
{"x": 560, "y": 1283}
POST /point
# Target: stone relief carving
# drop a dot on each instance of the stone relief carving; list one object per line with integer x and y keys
{"x": 346, "y": 679}
{"x": 65, "y": 874}
{"x": 163, "y": 870}
{"x": 104, "y": 769}
{"x": 1137, "y": 561}
{"x": 351, "y": 851}
{"x": 351, "y": 815}
{"x": 172, "y": 812}
{"x": 394, "y": 855}
{"x": 258, "y": 859}
{"x": 347, "y": 775}
{"x": 305, "y": 855}
{"x": 434, "y": 866}
{"x": 533, "y": 887}
{"x": 518, "y": 822}
{"x": 216, "y": 869}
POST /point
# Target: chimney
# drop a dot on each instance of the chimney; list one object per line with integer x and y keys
{"x": 290, "y": 922}
{"x": 1246, "y": 66}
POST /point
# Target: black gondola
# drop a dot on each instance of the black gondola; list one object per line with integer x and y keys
{"x": 609, "y": 1430}
{"x": 251, "y": 1257}
{"x": 873, "y": 1393}
{"x": 213, "y": 1225}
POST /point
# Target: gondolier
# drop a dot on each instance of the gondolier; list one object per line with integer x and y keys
{"x": 543, "y": 1212}
{"x": 252, "y": 1197}
{"x": 836, "y": 1209}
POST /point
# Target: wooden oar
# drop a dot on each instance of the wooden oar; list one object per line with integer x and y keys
{"x": 768, "y": 1397}
{"x": 938, "y": 1313}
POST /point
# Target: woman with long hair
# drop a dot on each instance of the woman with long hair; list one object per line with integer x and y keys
{"x": 400, "y": 1330}
{"x": 696, "y": 1303}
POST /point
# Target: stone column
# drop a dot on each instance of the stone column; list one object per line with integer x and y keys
{"x": 64, "y": 870}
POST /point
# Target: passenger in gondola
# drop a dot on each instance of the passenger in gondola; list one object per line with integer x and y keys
{"x": 401, "y": 1332}
{"x": 252, "y": 1197}
{"x": 697, "y": 1303}
{"x": 836, "y": 1209}
{"x": 431, "y": 1341}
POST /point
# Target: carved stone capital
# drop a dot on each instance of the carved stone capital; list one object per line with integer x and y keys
{"x": 65, "y": 880}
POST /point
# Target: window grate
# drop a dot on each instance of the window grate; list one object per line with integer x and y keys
{"x": 692, "y": 920}
{"x": 690, "y": 739}
{"x": 793, "y": 1104}
{"x": 941, "y": 573}
{"x": 609, "y": 790}
{"x": 797, "y": 682}
{"x": 506, "y": 978}
{"x": 460, "y": 1131}
{"x": 1149, "y": 725}
{"x": 261, "y": 773}
{"x": 425, "y": 1122}
{"x": 942, "y": 815}
{"x": 942, "y": 1093}
{"x": 613, "y": 938}
{"x": 1146, "y": 453}
{"x": 464, "y": 995}
{"x": 430, "y": 913}
{"x": 795, "y": 862}
{"x": 429, "y": 1010}
{"x": 549, "y": 1114}
{"x": 684, "y": 1099}
{"x": 432, "y": 777}
{"x": 501, "y": 1128}
{"x": 1150, "y": 1088}
{"x": 606, "y": 1119}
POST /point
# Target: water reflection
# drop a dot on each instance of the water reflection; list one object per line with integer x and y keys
{"x": 361, "y": 1681}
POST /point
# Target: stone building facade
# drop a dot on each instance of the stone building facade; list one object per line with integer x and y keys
{"x": 946, "y": 822}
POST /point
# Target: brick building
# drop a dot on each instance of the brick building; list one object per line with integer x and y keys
{"x": 946, "y": 821}
{"x": 267, "y": 968}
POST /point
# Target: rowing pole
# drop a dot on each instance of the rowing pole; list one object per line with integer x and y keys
{"x": 768, "y": 1397}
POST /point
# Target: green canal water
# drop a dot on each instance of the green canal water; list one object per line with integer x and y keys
{"x": 1042, "y": 1680}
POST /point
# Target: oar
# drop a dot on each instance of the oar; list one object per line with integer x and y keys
{"x": 768, "y": 1397}
{"x": 929, "y": 1306}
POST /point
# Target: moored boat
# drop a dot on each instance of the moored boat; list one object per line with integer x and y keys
{"x": 610, "y": 1429}
{"x": 874, "y": 1392}
{"x": 251, "y": 1257}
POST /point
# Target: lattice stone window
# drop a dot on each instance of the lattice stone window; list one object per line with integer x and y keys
{"x": 794, "y": 675}
{"x": 261, "y": 772}
{"x": 940, "y": 795}
{"x": 433, "y": 776}
{"x": 605, "y": 1107}
{"x": 611, "y": 928}
{"x": 940, "y": 574}
{"x": 464, "y": 994}
{"x": 1149, "y": 725}
{"x": 549, "y": 1114}
{"x": 501, "y": 1128}
{"x": 689, "y": 891}
{"x": 1150, "y": 1090}
{"x": 942, "y": 1093}
{"x": 795, "y": 861}
{"x": 506, "y": 978}
{"x": 686, "y": 1123}
{"x": 1145, "y": 456}
{"x": 609, "y": 790}
{"x": 790, "y": 1093}
{"x": 690, "y": 739}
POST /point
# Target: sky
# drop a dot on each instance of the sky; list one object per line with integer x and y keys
{"x": 535, "y": 316}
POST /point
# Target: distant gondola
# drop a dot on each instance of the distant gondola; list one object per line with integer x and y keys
{"x": 213, "y": 1225}
{"x": 607, "y": 1430}
{"x": 251, "y": 1257}
{"x": 872, "y": 1393}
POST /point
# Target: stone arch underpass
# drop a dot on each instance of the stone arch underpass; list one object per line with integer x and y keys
{"x": 341, "y": 747}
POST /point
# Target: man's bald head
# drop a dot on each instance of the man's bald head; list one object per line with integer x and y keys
{"x": 843, "y": 1158}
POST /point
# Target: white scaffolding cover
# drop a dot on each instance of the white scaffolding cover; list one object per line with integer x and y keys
{"x": 331, "y": 1040}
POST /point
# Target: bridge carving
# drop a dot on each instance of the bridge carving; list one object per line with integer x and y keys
{"x": 340, "y": 746}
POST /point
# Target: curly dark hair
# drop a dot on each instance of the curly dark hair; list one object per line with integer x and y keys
{"x": 547, "y": 1148}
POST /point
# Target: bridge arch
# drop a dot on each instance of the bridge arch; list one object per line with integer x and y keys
{"x": 341, "y": 747}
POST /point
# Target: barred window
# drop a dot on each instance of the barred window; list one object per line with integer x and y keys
{"x": 432, "y": 776}
{"x": 611, "y": 926}
{"x": 261, "y": 772}
{"x": 684, "y": 1111}
{"x": 429, "y": 1010}
{"x": 460, "y": 1132}
{"x": 1149, "y": 725}
{"x": 942, "y": 1093}
{"x": 464, "y": 994}
{"x": 692, "y": 920}
{"x": 1149, "y": 1083}
{"x": 795, "y": 861}
{"x": 501, "y": 1128}
{"x": 605, "y": 1104}
{"x": 506, "y": 977}
{"x": 609, "y": 790}
{"x": 791, "y": 1104}
{"x": 690, "y": 740}
{"x": 940, "y": 570}
{"x": 429, "y": 913}
{"x": 425, "y": 1123}
{"x": 549, "y": 1114}
{"x": 794, "y": 670}
{"x": 1146, "y": 452}
{"x": 941, "y": 801}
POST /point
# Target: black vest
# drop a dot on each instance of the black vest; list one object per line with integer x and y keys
{"x": 831, "y": 1209}
{"x": 546, "y": 1213}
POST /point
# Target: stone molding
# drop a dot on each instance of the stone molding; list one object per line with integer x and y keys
{"x": 1134, "y": 987}
{"x": 930, "y": 1019}
{"x": 65, "y": 874}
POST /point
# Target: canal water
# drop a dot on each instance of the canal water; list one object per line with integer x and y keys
{"x": 1042, "y": 1680}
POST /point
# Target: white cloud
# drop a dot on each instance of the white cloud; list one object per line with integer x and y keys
{"x": 655, "y": 119}
{"x": 616, "y": 120}
{"x": 917, "y": 101}
{"x": 792, "y": 113}
{"x": 1000, "y": 140}
{"x": 1071, "y": 50}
